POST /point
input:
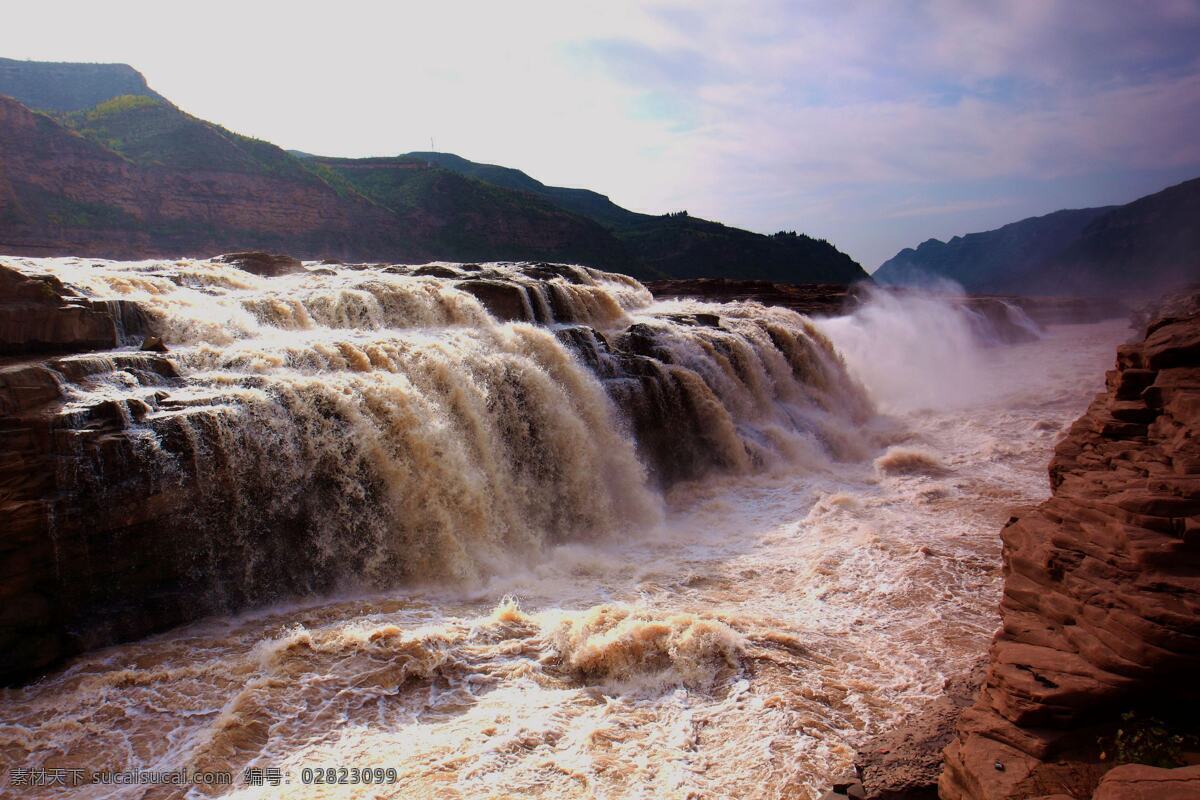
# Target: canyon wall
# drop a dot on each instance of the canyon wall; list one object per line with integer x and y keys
{"x": 1101, "y": 605}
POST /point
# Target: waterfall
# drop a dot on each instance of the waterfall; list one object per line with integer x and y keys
{"x": 366, "y": 425}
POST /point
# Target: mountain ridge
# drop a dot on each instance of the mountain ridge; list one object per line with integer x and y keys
{"x": 1144, "y": 247}
{"x": 152, "y": 180}
{"x": 62, "y": 86}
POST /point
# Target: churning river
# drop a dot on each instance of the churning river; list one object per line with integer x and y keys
{"x": 523, "y": 604}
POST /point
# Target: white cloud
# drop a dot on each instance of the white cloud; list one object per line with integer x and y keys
{"x": 822, "y": 117}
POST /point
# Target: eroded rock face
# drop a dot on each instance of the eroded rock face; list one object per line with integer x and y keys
{"x": 60, "y": 535}
{"x": 809, "y": 298}
{"x": 1101, "y": 607}
{"x": 1139, "y": 782}
{"x": 39, "y": 314}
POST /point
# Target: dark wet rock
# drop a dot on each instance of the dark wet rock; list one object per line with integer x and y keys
{"x": 825, "y": 299}
{"x": 267, "y": 265}
{"x": 904, "y": 763}
{"x": 154, "y": 344}
{"x": 505, "y": 301}
{"x": 437, "y": 271}
{"x": 38, "y": 314}
{"x": 546, "y": 272}
{"x": 700, "y": 319}
{"x": 640, "y": 339}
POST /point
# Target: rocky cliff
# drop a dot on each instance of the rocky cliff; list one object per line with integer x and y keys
{"x": 1101, "y": 606}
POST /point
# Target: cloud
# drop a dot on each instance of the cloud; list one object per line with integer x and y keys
{"x": 837, "y": 119}
{"x": 808, "y": 100}
{"x": 911, "y": 210}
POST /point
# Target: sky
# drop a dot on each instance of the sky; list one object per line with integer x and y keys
{"x": 875, "y": 125}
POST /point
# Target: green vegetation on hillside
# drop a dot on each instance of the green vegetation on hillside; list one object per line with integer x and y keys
{"x": 471, "y": 220}
{"x": 580, "y": 201}
{"x": 680, "y": 245}
{"x": 676, "y": 244}
{"x": 421, "y": 205}
{"x": 64, "y": 212}
{"x": 152, "y": 132}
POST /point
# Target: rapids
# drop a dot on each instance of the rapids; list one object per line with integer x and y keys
{"x": 610, "y": 548}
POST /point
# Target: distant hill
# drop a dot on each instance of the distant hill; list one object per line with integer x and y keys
{"x": 677, "y": 244}
{"x": 63, "y": 192}
{"x": 474, "y": 221}
{"x": 1152, "y": 243}
{"x": 94, "y": 162}
{"x": 992, "y": 260}
{"x": 580, "y": 201}
{"x": 54, "y": 86}
{"x": 1141, "y": 248}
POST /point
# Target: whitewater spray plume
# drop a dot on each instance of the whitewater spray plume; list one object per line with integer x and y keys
{"x": 926, "y": 348}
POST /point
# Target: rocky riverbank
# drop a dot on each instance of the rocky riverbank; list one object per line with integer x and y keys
{"x": 1100, "y": 637}
{"x": 1101, "y": 608}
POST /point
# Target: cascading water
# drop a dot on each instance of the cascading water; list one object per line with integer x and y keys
{"x": 374, "y": 425}
{"x": 729, "y": 567}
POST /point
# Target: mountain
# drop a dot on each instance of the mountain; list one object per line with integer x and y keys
{"x": 677, "y": 245}
{"x": 1152, "y": 241}
{"x": 988, "y": 261}
{"x": 580, "y": 201}
{"x": 60, "y": 87}
{"x": 473, "y": 220}
{"x": 1142, "y": 248}
{"x": 94, "y": 162}
{"x": 62, "y": 192}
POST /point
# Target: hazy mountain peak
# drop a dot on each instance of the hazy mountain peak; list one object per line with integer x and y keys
{"x": 65, "y": 86}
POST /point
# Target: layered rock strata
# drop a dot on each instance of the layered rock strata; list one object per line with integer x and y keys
{"x": 1101, "y": 606}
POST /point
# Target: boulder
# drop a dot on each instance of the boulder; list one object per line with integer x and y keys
{"x": 1139, "y": 782}
{"x": 40, "y": 314}
{"x": 507, "y": 302}
{"x": 154, "y": 344}
{"x": 267, "y": 265}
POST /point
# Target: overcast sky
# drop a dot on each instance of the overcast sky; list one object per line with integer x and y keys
{"x": 875, "y": 125}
